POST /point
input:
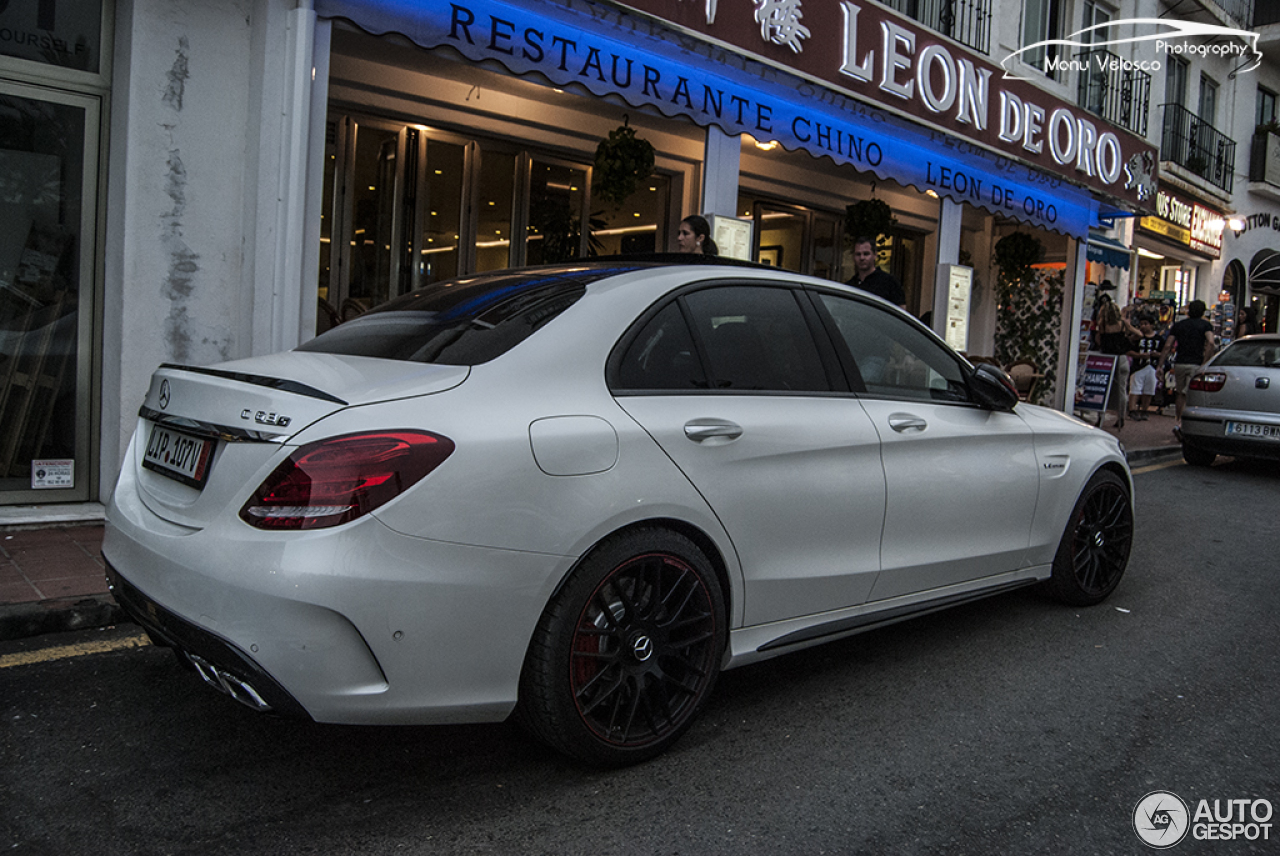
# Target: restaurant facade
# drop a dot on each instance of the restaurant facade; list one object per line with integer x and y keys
{"x": 225, "y": 179}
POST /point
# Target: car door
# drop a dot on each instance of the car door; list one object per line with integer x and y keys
{"x": 961, "y": 481}
{"x": 734, "y": 385}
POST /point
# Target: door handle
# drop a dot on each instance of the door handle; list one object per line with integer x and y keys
{"x": 712, "y": 431}
{"x": 905, "y": 423}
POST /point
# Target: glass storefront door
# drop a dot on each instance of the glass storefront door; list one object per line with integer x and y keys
{"x": 48, "y": 206}
{"x": 794, "y": 237}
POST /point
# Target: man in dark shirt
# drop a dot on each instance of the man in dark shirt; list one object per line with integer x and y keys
{"x": 870, "y": 278}
{"x": 1195, "y": 343}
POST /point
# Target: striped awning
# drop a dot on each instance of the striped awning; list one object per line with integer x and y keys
{"x": 1264, "y": 272}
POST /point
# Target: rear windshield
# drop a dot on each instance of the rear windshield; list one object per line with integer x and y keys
{"x": 1264, "y": 353}
{"x": 461, "y": 322}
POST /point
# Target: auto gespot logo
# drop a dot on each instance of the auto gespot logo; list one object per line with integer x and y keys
{"x": 1162, "y": 819}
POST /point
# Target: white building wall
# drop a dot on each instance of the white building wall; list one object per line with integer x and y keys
{"x": 205, "y": 162}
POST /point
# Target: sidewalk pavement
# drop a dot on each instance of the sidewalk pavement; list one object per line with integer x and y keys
{"x": 52, "y": 579}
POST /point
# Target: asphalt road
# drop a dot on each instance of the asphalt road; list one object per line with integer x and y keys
{"x": 1009, "y": 726}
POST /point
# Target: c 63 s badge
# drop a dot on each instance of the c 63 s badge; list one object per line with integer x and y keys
{"x": 265, "y": 417}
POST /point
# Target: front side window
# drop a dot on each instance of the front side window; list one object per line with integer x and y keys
{"x": 895, "y": 358}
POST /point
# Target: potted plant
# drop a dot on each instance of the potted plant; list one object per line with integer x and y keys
{"x": 870, "y": 217}
{"x": 623, "y": 160}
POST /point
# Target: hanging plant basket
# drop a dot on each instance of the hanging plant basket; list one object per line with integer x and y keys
{"x": 623, "y": 161}
{"x": 1015, "y": 253}
{"x": 868, "y": 217}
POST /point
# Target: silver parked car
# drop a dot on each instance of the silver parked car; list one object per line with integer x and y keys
{"x": 579, "y": 492}
{"x": 1233, "y": 403}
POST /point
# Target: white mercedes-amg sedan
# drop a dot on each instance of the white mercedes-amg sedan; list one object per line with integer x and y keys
{"x": 579, "y": 492}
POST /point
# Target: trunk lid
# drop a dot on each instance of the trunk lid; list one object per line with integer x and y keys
{"x": 206, "y": 436}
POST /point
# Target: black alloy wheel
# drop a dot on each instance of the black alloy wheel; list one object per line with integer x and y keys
{"x": 625, "y": 656}
{"x": 1094, "y": 550}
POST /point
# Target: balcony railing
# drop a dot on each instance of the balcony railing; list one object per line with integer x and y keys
{"x": 1118, "y": 94}
{"x": 966, "y": 21}
{"x": 1197, "y": 147}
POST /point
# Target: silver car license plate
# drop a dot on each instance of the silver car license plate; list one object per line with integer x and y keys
{"x": 1252, "y": 429}
{"x": 178, "y": 456}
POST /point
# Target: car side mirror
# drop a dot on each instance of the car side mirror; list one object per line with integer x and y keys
{"x": 993, "y": 388}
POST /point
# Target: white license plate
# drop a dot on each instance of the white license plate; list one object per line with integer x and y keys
{"x": 1251, "y": 429}
{"x": 178, "y": 456}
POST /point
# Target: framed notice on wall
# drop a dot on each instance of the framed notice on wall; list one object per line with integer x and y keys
{"x": 958, "y": 281}
{"x": 732, "y": 236}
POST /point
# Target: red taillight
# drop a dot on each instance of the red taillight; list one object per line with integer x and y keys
{"x": 329, "y": 482}
{"x": 1209, "y": 381}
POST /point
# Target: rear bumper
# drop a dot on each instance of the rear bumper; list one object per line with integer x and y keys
{"x": 241, "y": 677}
{"x": 1205, "y": 428}
{"x": 356, "y": 624}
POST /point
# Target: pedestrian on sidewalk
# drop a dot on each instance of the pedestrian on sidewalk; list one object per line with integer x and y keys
{"x": 1145, "y": 379}
{"x": 1114, "y": 338}
{"x": 1192, "y": 342}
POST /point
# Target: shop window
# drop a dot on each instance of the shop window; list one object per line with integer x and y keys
{"x": 494, "y": 203}
{"x": 372, "y": 218}
{"x": 557, "y": 199}
{"x": 440, "y": 251}
{"x": 638, "y": 225}
{"x": 405, "y": 206}
{"x": 46, "y": 293}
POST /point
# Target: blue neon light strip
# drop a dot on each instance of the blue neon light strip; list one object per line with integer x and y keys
{"x": 613, "y": 53}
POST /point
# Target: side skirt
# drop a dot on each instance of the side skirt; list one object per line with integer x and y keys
{"x": 753, "y": 644}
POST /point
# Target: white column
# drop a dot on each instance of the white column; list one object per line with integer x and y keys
{"x": 720, "y": 173}
{"x": 279, "y": 214}
{"x": 950, "y": 216}
{"x": 314, "y": 179}
{"x": 1068, "y": 344}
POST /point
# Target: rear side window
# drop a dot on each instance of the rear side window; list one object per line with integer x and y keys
{"x": 662, "y": 357}
{"x": 461, "y": 322}
{"x": 1259, "y": 354}
{"x": 743, "y": 339}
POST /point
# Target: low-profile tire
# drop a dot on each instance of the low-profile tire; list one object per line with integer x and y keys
{"x": 1197, "y": 457}
{"x": 625, "y": 656}
{"x": 1094, "y": 550}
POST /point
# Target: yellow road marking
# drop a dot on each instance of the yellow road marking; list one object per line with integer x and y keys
{"x": 1150, "y": 468}
{"x": 64, "y": 651}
